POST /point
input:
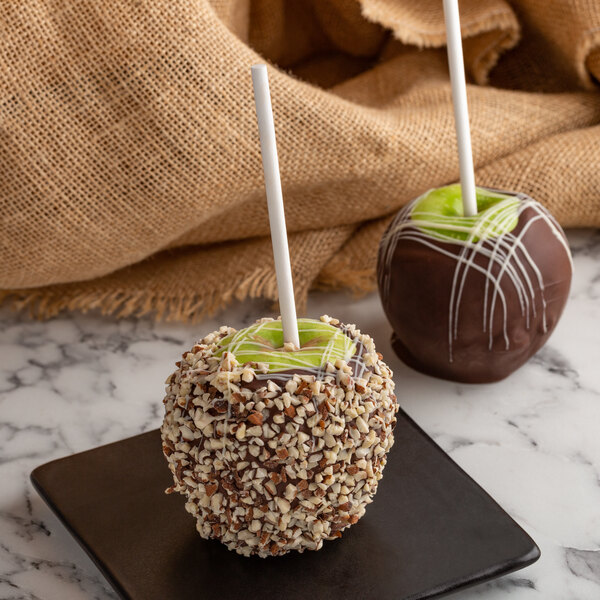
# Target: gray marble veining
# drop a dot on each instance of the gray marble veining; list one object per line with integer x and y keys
{"x": 533, "y": 440}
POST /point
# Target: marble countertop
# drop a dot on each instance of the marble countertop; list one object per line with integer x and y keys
{"x": 532, "y": 441}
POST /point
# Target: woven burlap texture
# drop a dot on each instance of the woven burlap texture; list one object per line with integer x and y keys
{"x": 130, "y": 170}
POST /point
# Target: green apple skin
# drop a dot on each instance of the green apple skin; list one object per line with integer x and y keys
{"x": 439, "y": 212}
{"x": 320, "y": 343}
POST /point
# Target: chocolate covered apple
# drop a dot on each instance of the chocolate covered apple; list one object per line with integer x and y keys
{"x": 472, "y": 298}
{"x": 279, "y": 448}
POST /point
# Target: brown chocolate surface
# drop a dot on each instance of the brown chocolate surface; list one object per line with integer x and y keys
{"x": 418, "y": 295}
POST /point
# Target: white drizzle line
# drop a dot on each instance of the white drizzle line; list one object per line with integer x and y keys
{"x": 351, "y": 355}
{"x": 506, "y": 250}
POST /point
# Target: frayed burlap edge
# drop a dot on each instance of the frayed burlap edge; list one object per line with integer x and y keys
{"x": 502, "y": 23}
{"x": 483, "y": 61}
{"x": 44, "y": 303}
{"x": 188, "y": 284}
{"x": 588, "y": 58}
{"x": 498, "y": 19}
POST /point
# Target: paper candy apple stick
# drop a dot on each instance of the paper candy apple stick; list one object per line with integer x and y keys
{"x": 281, "y": 253}
{"x": 461, "y": 109}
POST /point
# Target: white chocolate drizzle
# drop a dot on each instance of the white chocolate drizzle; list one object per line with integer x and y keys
{"x": 284, "y": 371}
{"x": 240, "y": 346}
{"x": 505, "y": 250}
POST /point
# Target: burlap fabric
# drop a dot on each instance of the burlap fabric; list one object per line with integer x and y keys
{"x": 130, "y": 172}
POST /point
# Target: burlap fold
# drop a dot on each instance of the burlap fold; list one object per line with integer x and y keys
{"x": 130, "y": 173}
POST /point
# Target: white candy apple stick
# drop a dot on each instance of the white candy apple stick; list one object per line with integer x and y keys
{"x": 281, "y": 253}
{"x": 461, "y": 108}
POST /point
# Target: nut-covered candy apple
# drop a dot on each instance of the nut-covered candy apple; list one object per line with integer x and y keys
{"x": 472, "y": 298}
{"x": 278, "y": 448}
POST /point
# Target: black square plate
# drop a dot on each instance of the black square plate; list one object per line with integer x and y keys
{"x": 431, "y": 530}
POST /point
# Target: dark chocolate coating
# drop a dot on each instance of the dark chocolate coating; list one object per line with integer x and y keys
{"x": 418, "y": 295}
